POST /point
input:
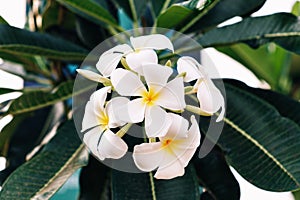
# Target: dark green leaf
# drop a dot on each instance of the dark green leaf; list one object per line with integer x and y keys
{"x": 281, "y": 28}
{"x": 296, "y": 195}
{"x": 42, "y": 176}
{"x": 91, "y": 11}
{"x": 227, "y": 9}
{"x": 5, "y": 90}
{"x": 93, "y": 180}
{"x": 18, "y": 41}
{"x": 259, "y": 143}
{"x": 145, "y": 186}
{"x": 286, "y": 106}
{"x": 158, "y": 5}
{"x": 30, "y": 101}
{"x": 139, "y": 5}
{"x": 215, "y": 175}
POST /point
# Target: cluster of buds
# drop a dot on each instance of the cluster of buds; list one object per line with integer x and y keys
{"x": 148, "y": 93}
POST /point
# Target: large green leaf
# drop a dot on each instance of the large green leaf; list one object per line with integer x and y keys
{"x": 91, "y": 11}
{"x": 184, "y": 15}
{"x": 145, "y": 186}
{"x": 286, "y": 106}
{"x": 44, "y": 174}
{"x": 215, "y": 175}
{"x": 33, "y": 100}
{"x": 227, "y": 9}
{"x": 18, "y": 41}
{"x": 262, "y": 145}
{"x": 281, "y": 28}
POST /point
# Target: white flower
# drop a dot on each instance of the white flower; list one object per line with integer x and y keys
{"x": 97, "y": 121}
{"x": 173, "y": 152}
{"x": 209, "y": 96}
{"x": 159, "y": 93}
{"x": 142, "y": 52}
{"x": 92, "y": 76}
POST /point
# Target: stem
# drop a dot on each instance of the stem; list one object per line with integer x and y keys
{"x": 134, "y": 14}
{"x": 163, "y": 9}
{"x": 197, "y": 110}
{"x": 123, "y": 130}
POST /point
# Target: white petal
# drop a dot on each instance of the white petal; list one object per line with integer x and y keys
{"x": 147, "y": 156}
{"x": 91, "y": 139}
{"x": 88, "y": 74}
{"x": 90, "y": 118}
{"x": 98, "y": 98}
{"x": 169, "y": 168}
{"x": 126, "y": 83}
{"x": 155, "y": 41}
{"x": 112, "y": 109}
{"x": 109, "y": 60}
{"x": 178, "y": 128}
{"x": 156, "y": 75}
{"x": 111, "y": 146}
{"x": 157, "y": 122}
{"x": 172, "y": 95}
{"x": 190, "y": 66}
{"x": 135, "y": 59}
{"x": 132, "y": 112}
{"x": 210, "y": 98}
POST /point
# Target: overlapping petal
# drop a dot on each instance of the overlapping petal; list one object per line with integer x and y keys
{"x": 189, "y": 66}
{"x": 109, "y": 60}
{"x": 126, "y": 83}
{"x": 156, "y": 75}
{"x": 94, "y": 108}
{"x": 155, "y": 41}
{"x": 172, "y": 95}
{"x": 136, "y": 59}
{"x": 157, "y": 121}
{"x": 111, "y": 146}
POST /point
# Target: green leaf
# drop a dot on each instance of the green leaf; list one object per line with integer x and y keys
{"x": 91, "y": 11}
{"x": 33, "y": 100}
{"x": 145, "y": 186}
{"x": 297, "y": 195}
{"x": 139, "y": 5}
{"x": 286, "y": 106}
{"x": 281, "y": 28}
{"x": 225, "y": 10}
{"x": 216, "y": 177}
{"x": 269, "y": 62}
{"x": 44, "y": 174}
{"x": 3, "y": 21}
{"x": 18, "y": 41}
{"x": 183, "y": 16}
{"x": 259, "y": 143}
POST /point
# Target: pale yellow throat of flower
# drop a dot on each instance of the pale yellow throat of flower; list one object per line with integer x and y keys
{"x": 103, "y": 120}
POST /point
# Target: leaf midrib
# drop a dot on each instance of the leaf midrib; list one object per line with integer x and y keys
{"x": 261, "y": 147}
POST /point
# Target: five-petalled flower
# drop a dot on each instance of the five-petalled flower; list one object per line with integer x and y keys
{"x": 142, "y": 51}
{"x": 150, "y": 100}
{"x": 173, "y": 152}
{"x": 97, "y": 121}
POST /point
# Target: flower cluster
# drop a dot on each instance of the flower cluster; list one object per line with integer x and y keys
{"x": 147, "y": 92}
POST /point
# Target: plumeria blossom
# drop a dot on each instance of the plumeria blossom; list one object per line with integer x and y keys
{"x": 173, "y": 151}
{"x": 142, "y": 51}
{"x": 150, "y": 100}
{"x": 97, "y": 121}
{"x": 209, "y": 96}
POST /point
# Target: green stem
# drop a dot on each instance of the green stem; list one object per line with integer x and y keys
{"x": 134, "y": 14}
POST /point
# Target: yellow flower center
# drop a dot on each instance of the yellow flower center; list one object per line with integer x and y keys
{"x": 150, "y": 97}
{"x": 104, "y": 120}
